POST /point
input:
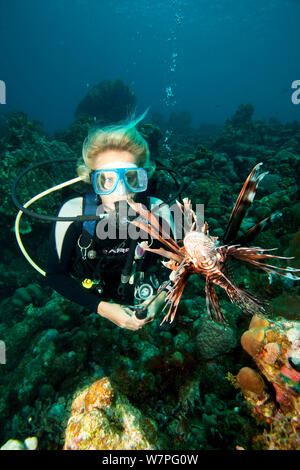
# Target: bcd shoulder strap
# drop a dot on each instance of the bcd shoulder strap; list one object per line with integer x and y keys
{"x": 91, "y": 201}
{"x": 90, "y": 204}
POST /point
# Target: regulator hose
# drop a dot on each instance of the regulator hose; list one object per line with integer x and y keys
{"x": 79, "y": 218}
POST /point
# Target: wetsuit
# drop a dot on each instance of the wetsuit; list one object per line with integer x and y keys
{"x": 66, "y": 269}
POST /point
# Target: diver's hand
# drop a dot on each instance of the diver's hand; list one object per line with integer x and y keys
{"x": 120, "y": 316}
{"x": 155, "y": 306}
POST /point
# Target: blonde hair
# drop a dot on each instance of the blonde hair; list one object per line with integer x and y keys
{"x": 120, "y": 137}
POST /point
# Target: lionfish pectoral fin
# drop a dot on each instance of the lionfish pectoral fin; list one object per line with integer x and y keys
{"x": 212, "y": 303}
{"x": 152, "y": 221}
{"x": 252, "y": 254}
{"x": 174, "y": 295}
{"x": 154, "y": 233}
{"x": 171, "y": 264}
{"x": 246, "y": 301}
{"x": 288, "y": 274}
{"x": 166, "y": 254}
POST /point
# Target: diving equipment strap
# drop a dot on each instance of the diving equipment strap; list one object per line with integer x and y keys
{"x": 90, "y": 205}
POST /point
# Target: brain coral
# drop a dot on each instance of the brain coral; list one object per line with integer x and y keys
{"x": 214, "y": 339}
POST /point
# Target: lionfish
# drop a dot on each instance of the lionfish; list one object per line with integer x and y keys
{"x": 201, "y": 253}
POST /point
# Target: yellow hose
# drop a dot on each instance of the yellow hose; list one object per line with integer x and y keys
{"x": 27, "y": 204}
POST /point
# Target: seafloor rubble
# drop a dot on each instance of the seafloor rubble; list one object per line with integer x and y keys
{"x": 173, "y": 378}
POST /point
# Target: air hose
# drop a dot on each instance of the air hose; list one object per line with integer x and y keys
{"x": 27, "y": 204}
{"x": 23, "y": 208}
{"x": 79, "y": 218}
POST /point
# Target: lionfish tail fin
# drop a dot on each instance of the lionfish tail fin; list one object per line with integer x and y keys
{"x": 243, "y": 203}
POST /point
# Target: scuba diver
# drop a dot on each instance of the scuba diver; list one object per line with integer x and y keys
{"x": 112, "y": 276}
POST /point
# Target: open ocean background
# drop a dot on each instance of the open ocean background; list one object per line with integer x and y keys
{"x": 213, "y": 54}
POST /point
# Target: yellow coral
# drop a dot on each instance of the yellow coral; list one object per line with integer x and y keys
{"x": 252, "y": 340}
{"x": 103, "y": 419}
{"x": 249, "y": 379}
{"x": 271, "y": 345}
{"x": 271, "y": 353}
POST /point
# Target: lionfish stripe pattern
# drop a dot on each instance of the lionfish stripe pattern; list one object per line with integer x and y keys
{"x": 201, "y": 253}
{"x": 243, "y": 203}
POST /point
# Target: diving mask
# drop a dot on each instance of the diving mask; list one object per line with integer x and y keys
{"x": 119, "y": 178}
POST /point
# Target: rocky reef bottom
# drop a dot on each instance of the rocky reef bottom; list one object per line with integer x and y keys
{"x": 166, "y": 400}
{"x": 170, "y": 386}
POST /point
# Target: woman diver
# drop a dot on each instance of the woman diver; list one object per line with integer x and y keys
{"x": 111, "y": 271}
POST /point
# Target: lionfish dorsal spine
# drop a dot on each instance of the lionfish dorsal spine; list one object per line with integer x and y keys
{"x": 243, "y": 203}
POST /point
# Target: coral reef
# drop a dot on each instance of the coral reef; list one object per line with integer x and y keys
{"x": 109, "y": 101}
{"x": 275, "y": 348}
{"x": 103, "y": 419}
{"x": 242, "y": 116}
{"x": 214, "y": 339}
{"x": 23, "y": 145}
{"x": 287, "y": 305}
{"x": 174, "y": 374}
{"x": 294, "y": 248}
{"x": 76, "y": 133}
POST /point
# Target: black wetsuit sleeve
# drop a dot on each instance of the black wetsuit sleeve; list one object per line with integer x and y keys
{"x": 57, "y": 272}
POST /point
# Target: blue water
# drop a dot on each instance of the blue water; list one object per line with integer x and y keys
{"x": 207, "y": 55}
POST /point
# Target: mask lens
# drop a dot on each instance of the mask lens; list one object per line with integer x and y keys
{"x": 137, "y": 179}
{"x": 105, "y": 180}
{"x": 132, "y": 178}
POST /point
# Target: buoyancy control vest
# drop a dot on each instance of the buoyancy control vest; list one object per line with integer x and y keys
{"x": 103, "y": 263}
